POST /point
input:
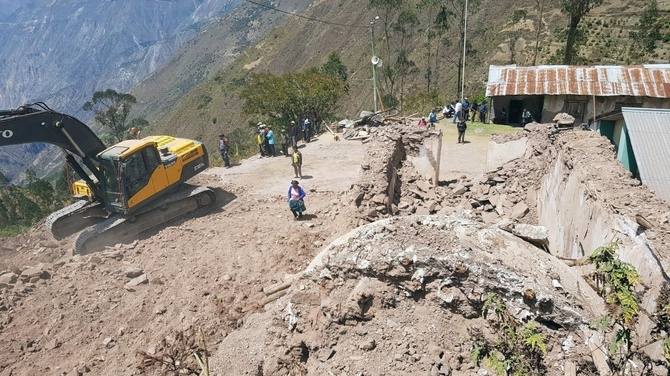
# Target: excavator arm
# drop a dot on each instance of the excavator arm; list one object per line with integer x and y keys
{"x": 38, "y": 123}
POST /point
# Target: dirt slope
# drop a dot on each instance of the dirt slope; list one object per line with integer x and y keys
{"x": 344, "y": 291}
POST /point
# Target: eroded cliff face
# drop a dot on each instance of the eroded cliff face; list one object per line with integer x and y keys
{"x": 61, "y": 52}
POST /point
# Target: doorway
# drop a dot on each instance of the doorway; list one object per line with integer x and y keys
{"x": 515, "y": 110}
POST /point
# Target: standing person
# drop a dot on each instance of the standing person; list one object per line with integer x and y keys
{"x": 432, "y": 118}
{"x": 294, "y": 134}
{"x": 474, "y": 111}
{"x": 270, "y": 135}
{"x": 261, "y": 141}
{"x": 466, "y": 109}
{"x": 483, "y": 111}
{"x": 458, "y": 112}
{"x": 283, "y": 142}
{"x": 223, "y": 149}
{"x": 297, "y": 162}
{"x": 296, "y": 196}
{"x": 306, "y": 129}
{"x": 266, "y": 145}
{"x": 461, "y": 126}
{"x": 526, "y": 117}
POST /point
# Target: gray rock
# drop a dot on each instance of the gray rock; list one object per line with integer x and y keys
{"x": 142, "y": 279}
{"x": 8, "y": 279}
{"x": 538, "y": 235}
{"x": 133, "y": 271}
{"x": 519, "y": 210}
{"x": 459, "y": 189}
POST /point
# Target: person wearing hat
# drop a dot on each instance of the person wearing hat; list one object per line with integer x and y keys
{"x": 296, "y": 201}
{"x": 223, "y": 148}
{"x": 295, "y": 131}
{"x": 262, "y": 141}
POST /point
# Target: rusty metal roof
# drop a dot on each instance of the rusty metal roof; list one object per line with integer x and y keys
{"x": 649, "y": 133}
{"x": 637, "y": 81}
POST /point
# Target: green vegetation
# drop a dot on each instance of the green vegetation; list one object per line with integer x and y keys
{"x": 294, "y": 95}
{"x": 23, "y": 207}
{"x": 517, "y": 350}
{"x": 111, "y": 110}
{"x": 662, "y": 320}
{"x": 616, "y": 282}
{"x": 576, "y": 10}
{"x": 649, "y": 29}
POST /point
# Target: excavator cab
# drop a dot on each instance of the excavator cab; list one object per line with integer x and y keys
{"x": 131, "y": 173}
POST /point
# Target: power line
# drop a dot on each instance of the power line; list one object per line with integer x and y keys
{"x": 305, "y": 17}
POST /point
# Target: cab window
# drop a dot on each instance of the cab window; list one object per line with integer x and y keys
{"x": 135, "y": 175}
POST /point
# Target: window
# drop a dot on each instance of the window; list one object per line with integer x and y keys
{"x": 135, "y": 175}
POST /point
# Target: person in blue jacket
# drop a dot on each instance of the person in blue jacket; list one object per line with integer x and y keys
{"x": 296, "y": 201}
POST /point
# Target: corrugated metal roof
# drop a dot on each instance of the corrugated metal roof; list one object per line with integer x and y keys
{"x": 649, "y": 133}
{"x": 638, "y": 81}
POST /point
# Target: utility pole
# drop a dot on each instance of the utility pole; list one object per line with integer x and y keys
{"x": 465, "y": 34}
{"x": 374, "y": 62}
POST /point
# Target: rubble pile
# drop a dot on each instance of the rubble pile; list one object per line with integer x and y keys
{"x": 383, "y": 166}
{"x": 488, "y": 198}
{"x": 406, "y": 295}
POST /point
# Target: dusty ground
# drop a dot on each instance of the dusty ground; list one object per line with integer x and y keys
{"x": 271, "y": 297}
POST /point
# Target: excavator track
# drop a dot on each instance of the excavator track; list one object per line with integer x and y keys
{"x": 74, "y": 218}
{"x": 125, "y": 228}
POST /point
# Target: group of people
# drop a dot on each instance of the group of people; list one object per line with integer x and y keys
{"x": 470, "y": 110}
{"x": 266, "y": 140}
{"x": 266, "y": 146}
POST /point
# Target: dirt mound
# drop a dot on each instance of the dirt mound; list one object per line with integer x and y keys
{"x": 407, "y": 294}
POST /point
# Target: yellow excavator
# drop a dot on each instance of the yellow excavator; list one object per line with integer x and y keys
{"x": 125, "y": 189}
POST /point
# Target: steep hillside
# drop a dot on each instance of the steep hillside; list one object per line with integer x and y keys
{"x": 214, "y": 48}
{"x": 61, "y": 52}
{"x": 343, "y": 27}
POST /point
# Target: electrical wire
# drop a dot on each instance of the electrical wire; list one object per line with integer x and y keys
{"x": 305, "y": 17}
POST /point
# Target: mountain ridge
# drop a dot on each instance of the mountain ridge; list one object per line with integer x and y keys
{"x": 62, "y": 52}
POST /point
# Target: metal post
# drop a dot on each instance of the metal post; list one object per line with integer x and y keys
{"x": 465, "y": 34}
{"x": 374, "y": 66}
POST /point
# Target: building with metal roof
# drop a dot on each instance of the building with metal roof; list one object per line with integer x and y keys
{"x": 642, "y": 141}
{"x": 581, "y": 91}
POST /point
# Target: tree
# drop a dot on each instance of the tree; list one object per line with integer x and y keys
{"x": 452, "y": 13}
{"x": 576, "y": 10}
{"x": 540, "y": 9}
{"x": 111, "y": 110}
{"x": 388, "y": 11}
{"x": 649, "y": 28}
{"x": 404, "y": 66}
{"x": 291, "y": 96}
{"x": 335, "y": 67}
